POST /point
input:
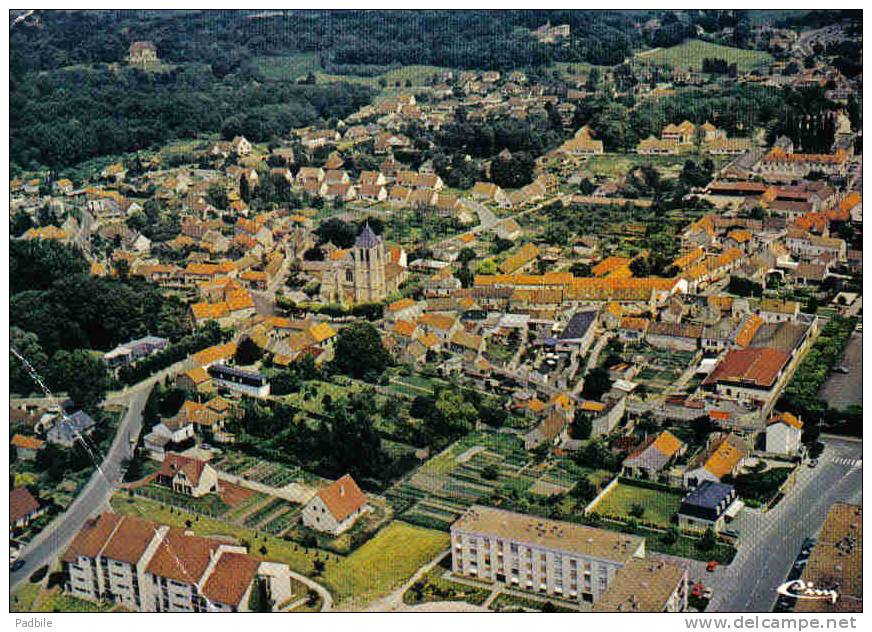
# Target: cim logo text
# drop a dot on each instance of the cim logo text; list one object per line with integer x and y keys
{"x": 799, "y": 589}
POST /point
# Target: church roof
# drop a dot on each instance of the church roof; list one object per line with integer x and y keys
{"x": 367, "y": 238}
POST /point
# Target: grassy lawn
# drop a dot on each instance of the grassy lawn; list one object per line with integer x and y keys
{"x": 692, "y": 52}
{"x": 31, "y": 598}
{"x": 383, "y": 563}
{"x": 618, "y": 165}
{"x": 23, "y": 599}
{"x": 659, "y": 506}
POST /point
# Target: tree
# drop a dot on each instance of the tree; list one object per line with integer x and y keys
{"x": 454, "y": 411}
{"x": 707, "y": 540}
{"x": 584, "y": 489}
{"x": 596, "y": 383}
{"x": 581, "y": 426}
{"x": 82, "y": 375}
{"x": 27, "y": 345}
{"x": 244, "y": 188}
{"x": 359, "y": 351}
{"x": 337, "y": 232}
{"x": 247, "y": 352}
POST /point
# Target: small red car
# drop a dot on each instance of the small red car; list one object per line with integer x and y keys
{"x": 697, "y": 590}
{"x": 711, "y": 566}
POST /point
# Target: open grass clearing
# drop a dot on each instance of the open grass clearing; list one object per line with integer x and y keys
{"x": 658, "y": 505}
{"x": 691, "y": 53}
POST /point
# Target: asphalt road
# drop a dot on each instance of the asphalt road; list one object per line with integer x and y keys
{"x": 771, "y": 541}
{"x": 46, "y": 546}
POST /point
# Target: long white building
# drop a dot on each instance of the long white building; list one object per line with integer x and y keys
{"x": 549, "y": 557}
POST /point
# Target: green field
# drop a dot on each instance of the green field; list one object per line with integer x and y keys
{"x": 618, "y": 165}
{"x": 659, "y": 505}
{"x": 293, "y": 67}
{"x": 383, "y": 563}
{"x": 690, "y": 54}
{"x": 287, "y": 68}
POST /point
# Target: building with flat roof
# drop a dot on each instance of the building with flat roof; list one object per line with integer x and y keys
{"x": 549, "y": 557}
{"x": 646, "y": 586}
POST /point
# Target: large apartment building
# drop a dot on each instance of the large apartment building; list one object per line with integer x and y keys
{"x": 549, "y": 557}
{"x": 149, "y": 567}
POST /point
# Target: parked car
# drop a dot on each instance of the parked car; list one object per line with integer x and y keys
{"x": 841, "y": 369}
{"x": 17, "y": 564}
{"x": 712, "y": 566}
{"x": 731, "y": 533}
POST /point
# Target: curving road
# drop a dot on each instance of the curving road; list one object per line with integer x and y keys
{"x": 49, "y": 543}
{"x": 94, "y": 497}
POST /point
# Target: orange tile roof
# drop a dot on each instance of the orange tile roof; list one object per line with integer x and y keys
{"x": 239, "y": 300}
{"x": 342, "y": 498}
{"x": 206, "y": 311}
{"x": 428, "y": 340}
{"x": 636, "y": 324}
{"x": 723, "y": 457}
{"x": 401, "y": 304}
{"x": 197, "y": 375}
{"x": 749, "y": 328}
{"x": 667, "y": 443}
{"x": 130, "y": 540}
{"x": 215, "y": 353}
{"x": 321, "y": 332}
{"x": 92, "y": 537}
{"x": 26, "y": 443}
{"x": 608, "y": 265}
{"x": 525, "y": 254}
{"x": 441, "y": 322}
{"x": 787, "y": 418}
{"x": 404, "y": 328}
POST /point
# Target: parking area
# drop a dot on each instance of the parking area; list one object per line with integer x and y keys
{"x": 846, "y": 389}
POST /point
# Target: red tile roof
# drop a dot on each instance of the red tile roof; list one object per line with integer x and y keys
{"x": 21, "y": 504}
{"x": 230, "y": 578}
{"x": 752, "y": 367}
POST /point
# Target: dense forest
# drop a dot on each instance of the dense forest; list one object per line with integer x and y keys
{"x": 58, "y": 313}
{"x": 65, "y": 117}
{"x": 72, "y": 100}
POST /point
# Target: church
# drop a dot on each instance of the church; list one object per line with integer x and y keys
{"x": 360, "y": 274}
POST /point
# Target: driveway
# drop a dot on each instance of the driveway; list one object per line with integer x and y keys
{"x": 770, "y": 541}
